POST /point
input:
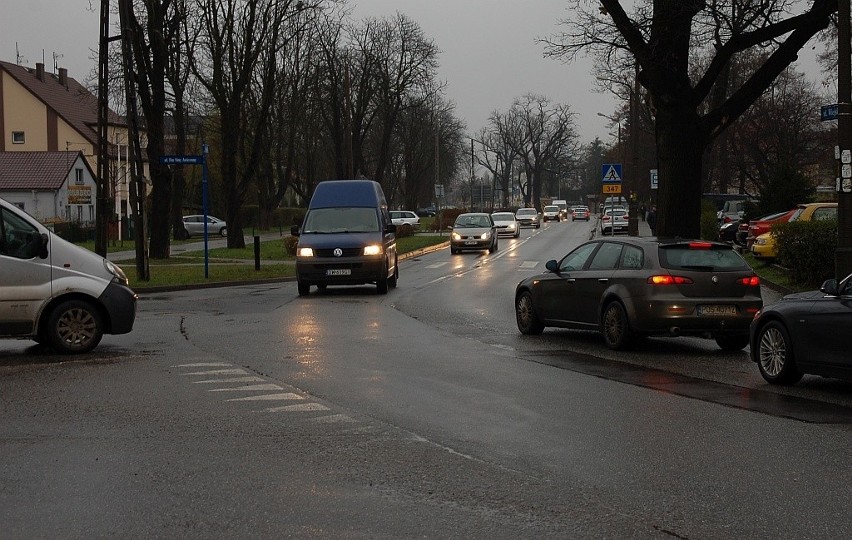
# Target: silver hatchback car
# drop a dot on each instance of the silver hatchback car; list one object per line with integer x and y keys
{"x": 194, "y": 226}
{"x": 630, "y": 287}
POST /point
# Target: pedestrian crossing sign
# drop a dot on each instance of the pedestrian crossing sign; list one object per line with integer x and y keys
{"x": 611, "y": 173}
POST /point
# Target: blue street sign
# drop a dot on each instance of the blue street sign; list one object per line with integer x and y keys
{"x": 182, "y": 160}
{"x": 611, "y": 173}
{"x": 828, "y": 112}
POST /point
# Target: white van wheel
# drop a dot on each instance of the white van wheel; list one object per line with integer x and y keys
{"x": 74, "y": 326}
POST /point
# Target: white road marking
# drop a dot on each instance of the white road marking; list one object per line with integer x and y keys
{"x": 250, "y": 388}
{"x": 204, "y": 364}
{"x": 302, "y": 407}
{"x": 529, "y": 264}
{"x": 219, "y": 372}
{"x": 231, "y": 380}
{"x": 438, "y": 265}
{"x": 268, "y": 397}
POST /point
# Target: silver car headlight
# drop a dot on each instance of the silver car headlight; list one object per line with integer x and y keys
{"x": 116, "y": 271}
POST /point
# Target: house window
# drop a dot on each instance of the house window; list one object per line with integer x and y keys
{"x": 78, "y": 177}
{"x": 67, "y": 213}
{"x": 20, "y": 205}
{"x": 91, "y": 212}
{"x": 79, "y": 214}
{"x": 18, "y": 137}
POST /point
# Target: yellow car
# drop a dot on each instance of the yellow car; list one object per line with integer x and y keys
{"x": 764, "y": 245}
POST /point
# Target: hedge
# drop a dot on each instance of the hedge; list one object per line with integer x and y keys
{"x": 807, "y": 248}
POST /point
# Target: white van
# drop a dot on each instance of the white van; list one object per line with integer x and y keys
{"x": 54, "y": 292}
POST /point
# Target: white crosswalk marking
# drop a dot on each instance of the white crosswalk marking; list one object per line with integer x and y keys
{"x": 204, "y": 364}
{"x": 527, "y": 265}
{"x": 219, "y": 372}
{"x": 250, "y": 388}
{"x": 269, "y": 397}
{"x": 334, "y": 418}
{"x": 231, "y": 380}
{"x": 437, "y": 265}
{"x": 302, "y": 407}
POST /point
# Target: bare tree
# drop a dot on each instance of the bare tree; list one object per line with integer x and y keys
{"x": 663, "y": 37}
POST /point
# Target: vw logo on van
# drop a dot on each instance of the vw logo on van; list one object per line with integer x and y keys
{"x": 338, "y": 252}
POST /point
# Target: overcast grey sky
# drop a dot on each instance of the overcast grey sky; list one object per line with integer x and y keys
{"x": 489, "y": 53}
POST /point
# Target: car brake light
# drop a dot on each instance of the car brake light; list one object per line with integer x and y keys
{"x": 727, "y": 219}
{"x": 667, "y": 279}
{"x": 700, "y": 245}
{"x": 752, "y": 281}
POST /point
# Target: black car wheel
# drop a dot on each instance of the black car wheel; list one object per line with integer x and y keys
{"x": 304, "y": 287}
{"x": 453, "y": 250}
{"x": 732, "y": 342}
{"x": 775, "y": 354}
{"x": 394, "y": 279}
{"x": 528, "y": 321}
{"x": 223, "y": 231}
{"x": 616, "y": 328}
{"x": 74, "y": 326}
{"x": 382, "y": 282}
{"x": 493, "y": 247}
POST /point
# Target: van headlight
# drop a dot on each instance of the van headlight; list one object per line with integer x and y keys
{"x": 116, "y": 271}
{"x": 373, "y": 249}
{"x": 456, "y": 236}
{"x": 485, "y": 235}
{"x": 306, "y": 252}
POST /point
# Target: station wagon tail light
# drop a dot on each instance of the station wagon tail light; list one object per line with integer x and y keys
{"x": 306, "y": 252}
{"x": 752, "y": 281}
{"x": 666, "y": 279}
{"x": 373, "y": 249}
{"x": 700, "y": 245}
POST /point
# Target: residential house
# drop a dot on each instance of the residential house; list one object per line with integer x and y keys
{"x": 50, "y": 186}
{"x": 46, "y": 112}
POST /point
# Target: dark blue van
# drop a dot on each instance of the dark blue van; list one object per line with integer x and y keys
{"x": 347, "y": 238}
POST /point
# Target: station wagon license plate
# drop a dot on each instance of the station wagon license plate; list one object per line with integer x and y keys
{"x": 470, "y": 242}
{"x": 716, "y": 311}
{"x": 338, "y": 272}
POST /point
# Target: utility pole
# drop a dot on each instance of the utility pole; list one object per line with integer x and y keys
{"x": 103, "y": 201}
{"x": 843, "y": 256}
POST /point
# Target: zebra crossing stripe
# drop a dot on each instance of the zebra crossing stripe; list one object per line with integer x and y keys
{"x": 302, "y": 407}
{"x": 231, "y": 380}
{"x": 250, "y": 388}
{"x": 268, "y": 397}
{"x": 219, "y": 372}
{"x": 204, "y": 364}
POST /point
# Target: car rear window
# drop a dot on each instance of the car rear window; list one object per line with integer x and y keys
{"x": 701, "y": 256}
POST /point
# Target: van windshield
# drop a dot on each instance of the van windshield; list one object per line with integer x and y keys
{"x": 337, "y": 220}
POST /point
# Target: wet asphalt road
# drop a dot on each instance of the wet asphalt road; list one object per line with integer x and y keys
{"x": 249, "y": 411}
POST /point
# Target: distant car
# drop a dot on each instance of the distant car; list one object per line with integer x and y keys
{"x": 805, "y": 333}
{"x": 630, "y": 287}
{"x": 732, "y": 210}
{"x": 401, "y": 217}
{"x": 473, "y": 231}
{"x": 194, "y": 226}
{"x": 551, "y": 213}
{"x": 580, "y": 212}
{"x": 763, "y": 224}
{"x": 764, "y": 245}
{"x": 428, "y": 211}
{"x": 528, "y": 217}
{"x": 614, "y": 220}
{"x": 506, "y": 224}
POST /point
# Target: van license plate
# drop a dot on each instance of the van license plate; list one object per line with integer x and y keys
{"x": 470, "y": 242}
{"x": 715, "y": 311}
{"x": 338, "y": 272}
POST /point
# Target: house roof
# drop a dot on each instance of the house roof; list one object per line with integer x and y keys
{"x": 43, "y": 171}
{"x": 72, "y": 102}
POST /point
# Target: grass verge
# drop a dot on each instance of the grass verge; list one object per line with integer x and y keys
{"x": 773, "y": 274}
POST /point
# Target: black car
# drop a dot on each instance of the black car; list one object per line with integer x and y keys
{"x": 805, "y": 333}
{"x": 631, "y": 287}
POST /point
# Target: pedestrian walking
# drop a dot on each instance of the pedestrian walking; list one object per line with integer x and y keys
{"x": 652, "y": 220}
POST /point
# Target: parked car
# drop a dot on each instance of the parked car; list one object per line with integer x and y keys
{"x": 764, "y": 245}
{"x": 728, "y": 231}
{"x": 805, "y": 333}
{"x": 631, "y": 287}
{"x": 528, "y": 217}
{"x": 732, "y": 210}
{"x": 473, "y": 231}
{"x": 550, "y": 213}
{"x": 761, "y": 225}
{"x": 614, "y": 220}
{"x": 57, "y": 293}
{"x": 401, "y": 217}
{"x": 428, "y": 211}
{"x": 580, "y": 212}
{"x": 194, "y": 226}
{"x": 506, "y": 224}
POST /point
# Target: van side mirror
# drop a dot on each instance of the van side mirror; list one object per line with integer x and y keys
{"x": 391, "y": 228}
{"x": 294, "y": 230}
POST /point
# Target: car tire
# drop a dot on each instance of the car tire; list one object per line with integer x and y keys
{"x": 453, "y": 251}
{"x": 525, "y": 315}
{"x": 393, "y": 281}
{"x": 223, "y": 231}
{"x": 732, "y": 342}
{"x": 382, "y": 282}
{"x": 322, "y": 286}
{"x": 615, "y": 327}
{"x": 304, "y": 287}
{"x": 493, "y": 246}
{"x": 774, "y": 354}
{"x": 518, "y": 233}
{"x": 74, "y": 326}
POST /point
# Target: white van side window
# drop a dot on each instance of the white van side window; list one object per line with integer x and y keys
{"x": 19, "y": 239}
